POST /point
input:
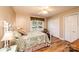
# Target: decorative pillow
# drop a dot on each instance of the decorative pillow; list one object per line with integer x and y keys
{"x": 16, "y": 34}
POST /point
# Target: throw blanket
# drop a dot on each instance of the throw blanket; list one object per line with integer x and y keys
{"x": 32, "y": 39}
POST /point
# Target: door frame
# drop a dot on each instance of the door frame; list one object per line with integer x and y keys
{"x": 76, "y": 13}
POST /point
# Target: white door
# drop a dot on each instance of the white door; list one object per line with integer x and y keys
{"x": 78, "y": 26}
{"x": 71, "y": 27}
{"x": 53, "y": 27}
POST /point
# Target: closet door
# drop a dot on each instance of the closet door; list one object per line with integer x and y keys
{"x": 53, "y": 27}
{"x": 71, "y": 27}
{"x": 78, "y": 26}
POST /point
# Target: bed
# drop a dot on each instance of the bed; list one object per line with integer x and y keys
{"x": 32, "y": 41}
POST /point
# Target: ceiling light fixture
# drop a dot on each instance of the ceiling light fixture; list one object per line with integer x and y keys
{"x": 45, "y": 7}
{"x": 45, "y": 12}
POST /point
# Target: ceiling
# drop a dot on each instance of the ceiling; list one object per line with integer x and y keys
{"x": 37, "y": 10}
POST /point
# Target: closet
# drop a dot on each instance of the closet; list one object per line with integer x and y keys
{"x": 71, "y": 27}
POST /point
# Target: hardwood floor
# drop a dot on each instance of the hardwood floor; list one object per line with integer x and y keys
{"x": 57, "y": 45}
{"x": 75, "y": 45}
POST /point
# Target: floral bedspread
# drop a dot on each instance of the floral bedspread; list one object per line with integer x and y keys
{"x": 32, "y": 39}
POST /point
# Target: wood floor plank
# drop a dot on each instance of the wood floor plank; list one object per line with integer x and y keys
{"x": 57, "y": 45}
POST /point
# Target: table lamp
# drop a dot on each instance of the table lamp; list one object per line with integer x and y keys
{"x": 6, "y": 39}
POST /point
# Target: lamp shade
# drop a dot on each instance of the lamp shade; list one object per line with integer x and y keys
{"x": 8, "y": 36}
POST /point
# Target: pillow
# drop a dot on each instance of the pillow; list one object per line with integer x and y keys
{"x": 16, "y": 34}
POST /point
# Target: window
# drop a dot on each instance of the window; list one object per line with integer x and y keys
{"x": 37, "y": 24}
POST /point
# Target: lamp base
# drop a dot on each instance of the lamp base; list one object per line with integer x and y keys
{"x": 8, "y": 49}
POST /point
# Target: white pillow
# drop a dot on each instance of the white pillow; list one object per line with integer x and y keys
{"x": 17, "y": 34}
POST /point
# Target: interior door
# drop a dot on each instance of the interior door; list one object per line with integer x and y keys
{"x": 71, "y": 27}
{"x": 78, "y": 26}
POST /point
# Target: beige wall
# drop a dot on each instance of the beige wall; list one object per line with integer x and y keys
{"x": 61, "y": 15}
{"x": 46, "y": 21}
{"x": 23, "y": 21}
{"x": 8, "y": 14}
